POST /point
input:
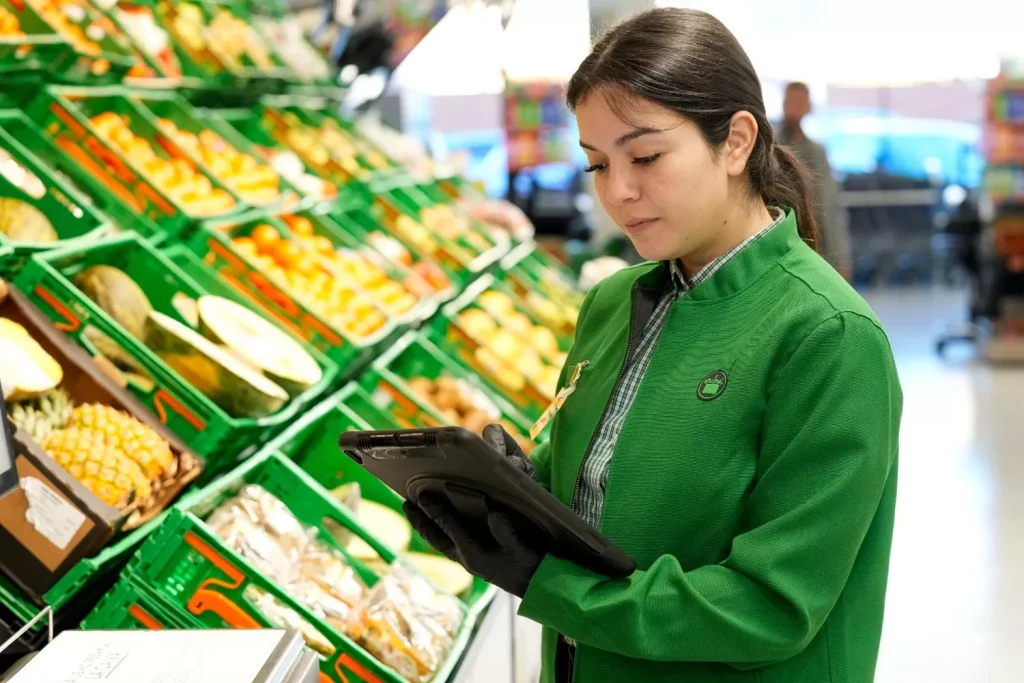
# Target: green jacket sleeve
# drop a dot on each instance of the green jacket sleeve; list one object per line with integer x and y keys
{"x": 829, "y": 440}
{"x": 541, "y": 456}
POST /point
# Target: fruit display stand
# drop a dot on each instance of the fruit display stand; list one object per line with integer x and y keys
{"x": 328, "y": 309}
{"x": 28, "y": 45}
{"x": 311, "y": 73}
{"x": 200, "y": 580}
{"x": 38, "y": 210}
{"x": 419, "y": 386}
{"x": 217, "y": 403}
{"x": 106, "y": 134}
{"x": 312, "y": 443}
{"x": 490, "y": 333}
{"x": 95, "y": 51}
{"x": 57, "y": 422}
{"x": 543, "y": 288}
{"x": 157, "y": 64}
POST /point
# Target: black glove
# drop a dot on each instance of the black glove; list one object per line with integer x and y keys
{"x": 497, "y": 438}
{"x": 498, "y": 554}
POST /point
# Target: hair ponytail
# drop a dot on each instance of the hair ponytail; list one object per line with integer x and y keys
{"x": 788, "y": 183}
{"x": 688, "y": 61}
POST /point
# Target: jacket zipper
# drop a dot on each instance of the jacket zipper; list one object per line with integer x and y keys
{"x": 622, "y": 371}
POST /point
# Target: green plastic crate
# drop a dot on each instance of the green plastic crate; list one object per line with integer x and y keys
{"x": 187, "y": 563}
{"x": 65, "y": 115}
{"x": 26, "y": 59}
{"x": 544, "y": 289}
{"x": 205, "y": 427}
{"x": 75, "y": 221}
{"x": 168, "y": 105}
{"x": 131, "y": 605}
{"x": 166, "y": 74}
{"x": 213, "y": 244}
{"x": 528, "y": 393}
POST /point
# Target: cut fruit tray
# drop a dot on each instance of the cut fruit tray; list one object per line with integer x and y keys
{"x": 109, "y": 135}
{"x": 35, "y": 201}
{"x": 200, "y": 422}
{"x": 188, "y": 577}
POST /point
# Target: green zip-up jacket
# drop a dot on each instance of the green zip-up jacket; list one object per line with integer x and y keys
{"x": 761, "y": 519}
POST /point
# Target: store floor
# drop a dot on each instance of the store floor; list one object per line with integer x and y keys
{"x": 955, "y": 612}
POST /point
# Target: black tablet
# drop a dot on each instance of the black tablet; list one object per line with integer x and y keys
{"x": 458, "y": 464}
{"x": 8, "y": 473}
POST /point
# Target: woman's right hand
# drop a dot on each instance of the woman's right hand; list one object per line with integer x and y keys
{"x": 497, "y": 438}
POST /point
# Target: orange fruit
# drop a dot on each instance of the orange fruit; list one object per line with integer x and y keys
{"x": 323, "y": 245}
{"x": 287, "y": 254}
{"x": 266, "y": 237}
{"x": 300, "y": 225}
{"x": 245, "y": 246}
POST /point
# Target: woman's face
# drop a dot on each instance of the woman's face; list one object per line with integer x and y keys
{"x": 656, "y": 177}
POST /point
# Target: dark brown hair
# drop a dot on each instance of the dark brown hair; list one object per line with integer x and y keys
{"x": 688, "y": 61}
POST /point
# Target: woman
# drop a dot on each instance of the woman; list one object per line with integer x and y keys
{"x": 735, "y": 417}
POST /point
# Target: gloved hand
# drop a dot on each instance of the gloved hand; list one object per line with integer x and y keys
{"x": 500, "y": 555}
{"x": 497, "y": 438}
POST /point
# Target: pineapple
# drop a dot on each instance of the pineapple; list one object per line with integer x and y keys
{"x": 42, "y": 416}
{"x": 100, "y": 466}
{"x": 133, "y": 438}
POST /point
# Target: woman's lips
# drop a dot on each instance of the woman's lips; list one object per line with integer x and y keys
{"x": 639, "y": 224}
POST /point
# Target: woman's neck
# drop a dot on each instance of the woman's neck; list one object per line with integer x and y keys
{"x": 737, "y": 225}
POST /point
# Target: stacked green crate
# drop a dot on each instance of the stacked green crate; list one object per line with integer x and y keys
{"x": 48, "y": 279}
{"x": 38, "y": 209}
{"x": 186, "y": 576}
{"x": 544, "y": 287}
{"x": 27, "y": 47}
{"x": 146, "y": 183}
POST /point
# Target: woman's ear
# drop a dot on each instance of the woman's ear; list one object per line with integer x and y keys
{"x": 740, "y": 143}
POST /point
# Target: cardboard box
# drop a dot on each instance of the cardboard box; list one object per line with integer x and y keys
{"x": 52, "y": 521}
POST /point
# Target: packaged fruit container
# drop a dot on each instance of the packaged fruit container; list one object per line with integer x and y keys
{"x": 28, "y": 44}
{"x": 38, "y": 209}
{"x": 305, "y": 576}
{"x": 339, "y": 301}
{"x": 216, "y": 148}
{"x": 86, "y": 451}
{"x": 97, "y": 52}
{"x": 312, "y": 442}
{"x": 165, "y": 335}
{"x": 544, "y": 289}
{"x": 109, "y": 136}
{"x": 157, "y": 62}
{"x": 488, "y": 331}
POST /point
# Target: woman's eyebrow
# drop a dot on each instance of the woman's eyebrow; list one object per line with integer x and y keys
{"x": 631, "y": 135}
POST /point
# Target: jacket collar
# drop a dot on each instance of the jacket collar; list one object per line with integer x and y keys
{"x": 742, "y": 270}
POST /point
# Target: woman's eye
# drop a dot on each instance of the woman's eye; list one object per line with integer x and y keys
{"x": 596, "y": 168}
{"x": 646, "y": 161}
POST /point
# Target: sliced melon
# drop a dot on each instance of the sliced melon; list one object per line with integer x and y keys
{"x": 449, "y": 576}
{"x": 261, "y": 343}
{"x": 225, "y": 380}
{"x": 386, "y": 525}
{"x": 26, "y": 369}
{"x": 118, "y": 295}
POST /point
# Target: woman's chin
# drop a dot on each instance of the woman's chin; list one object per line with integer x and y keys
{"x": 651, "y": 250}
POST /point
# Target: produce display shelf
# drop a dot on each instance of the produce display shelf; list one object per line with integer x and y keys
{"x": 68, "y": 115}
{"x": 27, "y": 58}
{"x": 41, "y": 192}
{"x": 214, "y": 244}
{"x": 106, "y": 61}
{"x": 529, "y": 389}
{"x": 205, "y": 582}
{"x": 543, "y": 287}
{"x": 201, "y": 423}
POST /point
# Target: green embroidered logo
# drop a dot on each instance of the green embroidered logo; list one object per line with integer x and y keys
{"x": 712, "y": 386}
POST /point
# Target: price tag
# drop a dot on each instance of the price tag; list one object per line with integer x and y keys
{"x": 559, "y": 401}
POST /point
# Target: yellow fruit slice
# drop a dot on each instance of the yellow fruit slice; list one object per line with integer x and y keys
{"x": 26, "y": 370}
{"x": 448, "y": 576}
{"x": 388, "y": 526}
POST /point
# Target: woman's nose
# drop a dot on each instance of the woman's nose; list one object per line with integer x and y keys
{"x": 622, "y": 187}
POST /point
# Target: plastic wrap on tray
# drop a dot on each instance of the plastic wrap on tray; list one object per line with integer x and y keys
{"x": 407, "y": 624}
{"x": 283, "y": 616}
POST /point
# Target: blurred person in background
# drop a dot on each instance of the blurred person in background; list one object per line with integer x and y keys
{"x": 833, "y": 229}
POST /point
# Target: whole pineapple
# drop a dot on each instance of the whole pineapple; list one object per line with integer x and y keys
{"x": 100, "y": 466}
{"x": 133, "y": 438}
{"x": 42, "y": 416}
